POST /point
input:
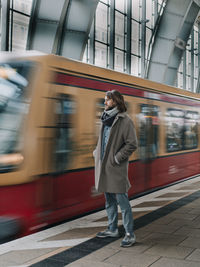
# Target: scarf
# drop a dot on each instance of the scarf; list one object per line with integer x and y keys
{"x": 108, "y": 116}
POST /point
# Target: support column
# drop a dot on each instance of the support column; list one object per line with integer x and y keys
{"x": 5, "y": 8}
{"x": 199, "y": 45}
{"x": 143, "y": 38}
{"x": 128, "y": 44}
{"x": 112, "y": 34}
{"x": 92, "y": 44}
{"x": 155, "y": 11}
{"x": 184, "y": 70}
{"x": 198, "y": 82}
{"x": 192, "y": 61}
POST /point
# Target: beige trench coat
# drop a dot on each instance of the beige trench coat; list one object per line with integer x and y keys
{"x": 111, "y": 177}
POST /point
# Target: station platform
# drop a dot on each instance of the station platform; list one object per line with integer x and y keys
{"x": 167, "y": 227}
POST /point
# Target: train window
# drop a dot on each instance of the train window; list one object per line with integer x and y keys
{"x": 65, "y": 111}
{"x": 14, "y": 105}
{"x": 99, "y": 110}
{"x": 191, "y": 130}
{"x": 148, "y": 131}
{"x": 174, "y": 129}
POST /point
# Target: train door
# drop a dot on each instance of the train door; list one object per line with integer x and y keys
{"x": 65, "y": 111}
{"x": 148, "y": 143}
{"x": 63, "y": 151}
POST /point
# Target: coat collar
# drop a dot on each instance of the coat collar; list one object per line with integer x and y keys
{"x": 119, "y": 115}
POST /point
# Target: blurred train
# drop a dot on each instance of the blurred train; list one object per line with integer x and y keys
{"x": 49, "y": 123}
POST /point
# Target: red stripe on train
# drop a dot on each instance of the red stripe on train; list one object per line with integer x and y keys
{"x": 127, "y": 90}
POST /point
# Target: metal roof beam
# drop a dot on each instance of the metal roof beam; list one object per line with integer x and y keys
{"x": 61, "y": 27}
{"x": 45, "y": 17}
{"x": 171, "y": 39}
{"x": 77, "y": 27}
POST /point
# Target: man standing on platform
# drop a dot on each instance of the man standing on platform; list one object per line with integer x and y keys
{"x": 116, "y": 143}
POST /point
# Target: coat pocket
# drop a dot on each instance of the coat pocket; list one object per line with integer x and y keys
{"x": 114, "y": 162}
